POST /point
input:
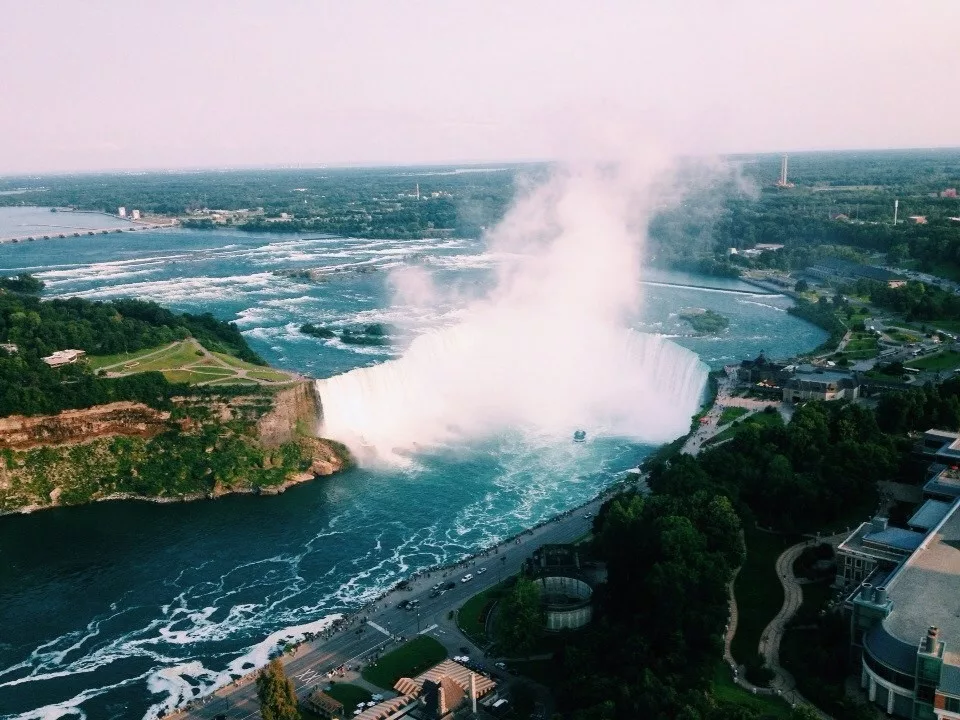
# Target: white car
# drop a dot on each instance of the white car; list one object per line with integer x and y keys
{"x": 467, "y": 578}
{"x": 481, "y": 571}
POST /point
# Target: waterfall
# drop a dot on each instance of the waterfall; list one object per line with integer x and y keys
{"x": 466, "y": 382}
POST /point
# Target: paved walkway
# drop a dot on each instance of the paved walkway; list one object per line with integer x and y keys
{"x": 783, "y": 683}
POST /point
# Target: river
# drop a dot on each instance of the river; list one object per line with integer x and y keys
{"x": 121, "y": 609}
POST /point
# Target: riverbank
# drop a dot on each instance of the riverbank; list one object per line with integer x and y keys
{"x": 351, "y": 641}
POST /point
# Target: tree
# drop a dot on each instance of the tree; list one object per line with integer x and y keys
{"x": 801, "y": 286}
{"x": 520, "y": 623}
{"x": 278, "y": 698}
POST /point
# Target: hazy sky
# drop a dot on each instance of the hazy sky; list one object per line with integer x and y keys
{"x": 200, "y": 83}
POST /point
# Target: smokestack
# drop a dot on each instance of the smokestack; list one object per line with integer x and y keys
{"x": 783, "y": 170}
{"x": 896, "y": 207}
{"x": 930, "y": 642}
{"x": 473, "y": 692}
{"x": 881, "y": 595}
{"x": 866, "y": 591}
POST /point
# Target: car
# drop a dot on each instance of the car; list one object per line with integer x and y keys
{"x": 500, "y": 665}
{"x": 481, "y": 571}
{"x": 467, "y": 578}
{"x": 450, "y": 585}
{"x": 588, "y": 516}
{"x": 436, "y": 593}
{"x": 403, "y": 604}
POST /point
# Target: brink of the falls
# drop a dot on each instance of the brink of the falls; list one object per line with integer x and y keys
{"x": 460, "y": 384}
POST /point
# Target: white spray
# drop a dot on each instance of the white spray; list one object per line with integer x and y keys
{"x": 547, "y": 348}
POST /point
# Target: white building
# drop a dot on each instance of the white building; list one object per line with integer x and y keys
{"x": 122, "y": 211}
{"x": 136, "y": 214}
{"x": 63, "y": 357}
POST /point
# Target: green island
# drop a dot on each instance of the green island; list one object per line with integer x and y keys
{"x": 705, "y": 321}
{"x": 126, "y": 399}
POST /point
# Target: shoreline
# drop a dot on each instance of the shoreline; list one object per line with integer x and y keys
{"x": 347, "y": 620}
{"x": 267, "y": 490}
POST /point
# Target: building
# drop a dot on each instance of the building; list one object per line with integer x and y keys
{"x": 63, "y": 357}
{"x": 905, "y": 625}
{"x": 918, "y": 219}
{"x": 325, "y": 706}
{"x": 871, "y": 546}
{"x": 949, "y": 193}
{"x": 751, "y": 372}
{"x": 122, "y": 211}
{"x": 837, "y": 269}
{"x": 811, "y": 383}
{"x": 136, "y": 214}
{"x": 9, "y": 347}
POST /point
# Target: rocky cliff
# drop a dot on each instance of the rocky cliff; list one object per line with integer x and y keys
{"x": 202, "y": 448}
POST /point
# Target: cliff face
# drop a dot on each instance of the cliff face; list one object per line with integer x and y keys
{"x": 76, "y": 426}
{"x": 206, "y": 449}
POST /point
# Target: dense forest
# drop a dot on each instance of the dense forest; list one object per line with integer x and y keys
{"x": 31, "y": 387}
{"x": 659, "y": 621}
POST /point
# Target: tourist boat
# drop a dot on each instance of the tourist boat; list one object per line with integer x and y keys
{"x": 579, "y": 436}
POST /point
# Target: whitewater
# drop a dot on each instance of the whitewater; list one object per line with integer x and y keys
{"x": 125, "y": 609}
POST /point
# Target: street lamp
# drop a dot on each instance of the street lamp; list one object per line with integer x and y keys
{"x": 418, "y": 621}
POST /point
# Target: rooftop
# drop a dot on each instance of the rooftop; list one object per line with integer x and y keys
{"x": 945, "y": 483}
{"x": 881, "y": 543}
{"x": 930, "y": 514}
{"x": 924, "y": 591}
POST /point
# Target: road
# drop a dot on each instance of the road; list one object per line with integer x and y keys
{"x": 307, "y": 668}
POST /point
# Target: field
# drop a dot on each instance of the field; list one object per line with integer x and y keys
{"x": 407, "y": 660}
{"x": 941, "y": 361}
{"x": 725, "y": 690}
{"x": 730, "y": 414}
{"x": 471, "y": 617}
{"x": 188, "y": 361}
{"x": 348, "y": 694}
{"x": 760, "y": 418}
{"x": 758, "y": 591}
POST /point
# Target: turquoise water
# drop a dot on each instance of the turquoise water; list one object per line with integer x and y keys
{"x": 118, "y": 610}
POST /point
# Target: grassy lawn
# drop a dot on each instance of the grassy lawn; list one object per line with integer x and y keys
{"x": 348, "y": 694}
{"x": 471, "y": 618}
{"x": 941, "y": 361}
{"x": 730, "y": 414}
{"x": 725, "y": 690}
{"x": 760, "y": 418}
{"x": 758, "y": 592}
{"x": 271, "y": 375}
{"x": 408, "y": 660}
{"x": 174, "y": 359}
{"x": 234, "y": 381}
{"x": 237, "y": 362}
{"x": 903, "y": 337}
{"x": 98, "y": 361}
{"x": 861, "y": 341}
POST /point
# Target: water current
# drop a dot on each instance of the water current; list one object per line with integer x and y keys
{"x": 122, "y": 609}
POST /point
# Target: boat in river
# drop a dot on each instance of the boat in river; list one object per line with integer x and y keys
{"x": 580, "y": 436}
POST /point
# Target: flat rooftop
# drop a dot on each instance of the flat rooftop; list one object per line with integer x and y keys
{"x": 890, "y": 544}
{"x": 924, "y": 591}
{"x": 945, "y": 483}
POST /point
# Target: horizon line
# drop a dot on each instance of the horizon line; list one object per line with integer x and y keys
{"x": 272, "y": 167}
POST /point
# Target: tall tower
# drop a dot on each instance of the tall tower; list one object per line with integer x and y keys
{"x": 896, "y": 208}
{"x": 783, "y": 182}
{"x": 418, "y": 191}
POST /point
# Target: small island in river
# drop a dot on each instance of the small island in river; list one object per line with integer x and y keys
{"x": 705, "y": 321}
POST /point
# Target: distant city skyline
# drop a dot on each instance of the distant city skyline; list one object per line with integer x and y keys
{"x": 108, "y": 86}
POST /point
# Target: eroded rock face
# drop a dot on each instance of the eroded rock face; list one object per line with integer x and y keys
{"x": 328, "y": 456}
{"x": 295, "y": 412}
{"x": 18, "y": 432}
